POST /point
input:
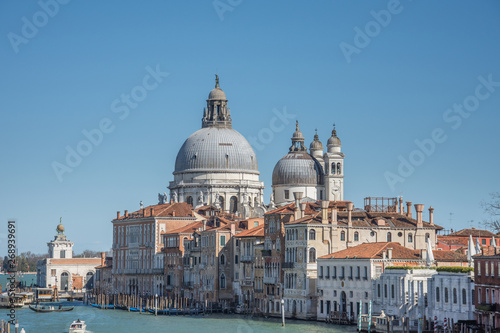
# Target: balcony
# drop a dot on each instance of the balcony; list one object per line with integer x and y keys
{"x": 246, "y": 283}
{"x": 247, "y": 258}
{"x": 271, "y": 280}
{"x": 188, "y": 284}
{"x": 266, "y": 253}
{"x": 288, "y": 265}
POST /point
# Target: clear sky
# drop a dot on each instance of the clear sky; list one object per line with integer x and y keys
{"x": 389, "y": 74}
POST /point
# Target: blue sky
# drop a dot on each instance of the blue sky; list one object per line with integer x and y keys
{"x": 386, "y": 73}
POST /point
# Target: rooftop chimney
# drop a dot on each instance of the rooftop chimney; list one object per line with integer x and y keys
{"x": 389, "y": 253}
{"x": 117, "y": 215}
{"x": 408, "y": 209}
{"x": 420, "y": 209}
{"x": 334, "y": 215}
{"x": 384, "y": 254}
{"x": 233, "y": 229}
{"x": 151, "y": 211}
{"x": 349, "y": 213}
{"x": 103, "y": 258}
{"x": 324, "y": 211}
{"x": 125, "y": 213}
{"x": 297, "y": 196}
{"x": 204, "y": 225}
{"x": 173, "y": 212}
{"x": 401, "y": 210}
{"x": 431, "y": 215}
{"x": 303, "y": 209}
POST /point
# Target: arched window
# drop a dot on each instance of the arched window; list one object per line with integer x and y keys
{"x": 333, "y": 168}
{"x": 342, "y": 235}
{"x": 312, "y": 234}
{"x": 446, "y": 295}
{"x": 339, "y": 168}
{"x": 189, "y": 200}
{"x": 464, "y": 296}
{"x": 392, "y": 291}
{"x": 410, "y": 238}
{"x": 437, "y": 294}
{"x": 221, "y": 202}
{"x": 222, "y": 259}
{"x": 312, "y": 255}
{"x": 356, "y": 236}
{"x": 455, "y": 296}
{"x": 378, "y": 290}
{"x": 89, "y": 280}
{"x": 389, "y": 237}
{"x": 233, "y": 204}
{"x": 223, "y": 281}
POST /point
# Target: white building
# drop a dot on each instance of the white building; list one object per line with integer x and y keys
{"x": 60, "y": 270}
{"x": 345, "y": 277}
{"x": 318, "y": 175}
{"x": 217, "y": 166}
{"x": 424, "y": 293}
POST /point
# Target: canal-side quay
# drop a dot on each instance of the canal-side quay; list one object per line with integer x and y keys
{"x": 98, "y": 320}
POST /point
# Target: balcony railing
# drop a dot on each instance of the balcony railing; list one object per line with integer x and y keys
{"x": 271, "y": 280}
{"x": 247, "y": 283}
{"x": 288, "y": 265}
{"x": 247, "y": 258}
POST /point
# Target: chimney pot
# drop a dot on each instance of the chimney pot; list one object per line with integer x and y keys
{"x": 324, "y": 211}
{"x": 408, "y": 209}
{"x": 389, "y": 253}
{"x": 125, "y": 213}
{"x": 419, "y": 208}
{"x": 334, "y": 215}
{"x": 303, "y": 209}
{"x": 151, "y": 211}
{"x": 349, "y": 213}
{"x": 117, "y": 215}
{"x": 431, "y": 215}
{"x": 297, "y": 196}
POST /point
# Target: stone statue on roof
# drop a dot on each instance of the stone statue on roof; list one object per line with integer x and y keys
{"x": 174, "y": 196}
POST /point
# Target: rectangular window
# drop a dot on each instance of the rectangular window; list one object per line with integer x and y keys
{"x": 327, "y": 272}
{"x": 63, "y": 254}
{"x": 320, "y": 272}
{"x": 321, "y": 306}
{"x": 483, "y": 241}
{"x": 358, "y": 272}
{"x": 479, "y": 268}
{"x": 287, "y": 194}
{"x": 350, "y": 273}
{"x": 366, "y": 273}
{"x": 486, "y": 269}
{"x": 222, "y": 240}
{"x": 492, "y": 268}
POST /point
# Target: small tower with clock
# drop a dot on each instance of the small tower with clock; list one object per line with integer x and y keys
{"x": 334, "y": 169}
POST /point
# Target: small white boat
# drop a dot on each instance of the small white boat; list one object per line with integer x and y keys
{"x": 78, "y": 326}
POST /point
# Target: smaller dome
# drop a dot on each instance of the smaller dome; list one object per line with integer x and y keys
{"x": 217, "y": 93}
{"x": 334, "y": 140}
{"x": 316, "y": 144}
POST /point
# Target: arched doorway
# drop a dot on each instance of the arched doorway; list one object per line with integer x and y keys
{"x": 343, "y": 302}
{"x": 294, "y": 308}
{"x": 65, "y": 281}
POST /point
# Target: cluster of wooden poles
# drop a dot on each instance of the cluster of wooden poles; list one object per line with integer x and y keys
{"x": 145, "y": 302}
{"x": 5, "y": 327}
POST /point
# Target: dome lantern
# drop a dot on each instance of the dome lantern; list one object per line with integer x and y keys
{"x": 316, "y": 147}
{"x": 297, "y": 140}
{"x": 217, "y": 114}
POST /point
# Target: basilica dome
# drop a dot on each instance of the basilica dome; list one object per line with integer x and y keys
{"x": 297, "y": 168}
{"x": 214, "y": 148}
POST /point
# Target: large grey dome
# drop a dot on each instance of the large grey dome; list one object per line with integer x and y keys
{"x": 213, "y": 148}
{"x": 297, "y": 168}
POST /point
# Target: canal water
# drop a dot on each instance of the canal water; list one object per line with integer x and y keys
{"x": 132, "y": 322}
{"x": 28, "y": 279}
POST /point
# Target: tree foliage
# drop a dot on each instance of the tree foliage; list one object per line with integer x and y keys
{"x": 492, "y": 208}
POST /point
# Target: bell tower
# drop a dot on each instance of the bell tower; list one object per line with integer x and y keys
{"x": 334, "y": 169}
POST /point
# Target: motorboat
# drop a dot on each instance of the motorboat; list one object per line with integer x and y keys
{"x": 7, "y": 301}
{"x": 78, "y": 326}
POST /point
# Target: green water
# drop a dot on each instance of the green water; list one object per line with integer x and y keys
{"x": 123, "y": 321}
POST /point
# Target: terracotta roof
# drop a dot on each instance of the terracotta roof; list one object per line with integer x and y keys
{"x": 187, "y": 229}
{"x": 254, "y": 232}
{"x": 474, "y": 232}
{"x": 311, "y": 207}
{"x": 367, "y": 219}
{"x": 178, "y": 209}
{"x": 451, "y": 240}
{"x": 374, "y": 251}
{"x": 399, "y": 252}
{"x": 69, "y": 261}
{"x": 449, "y": 256}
